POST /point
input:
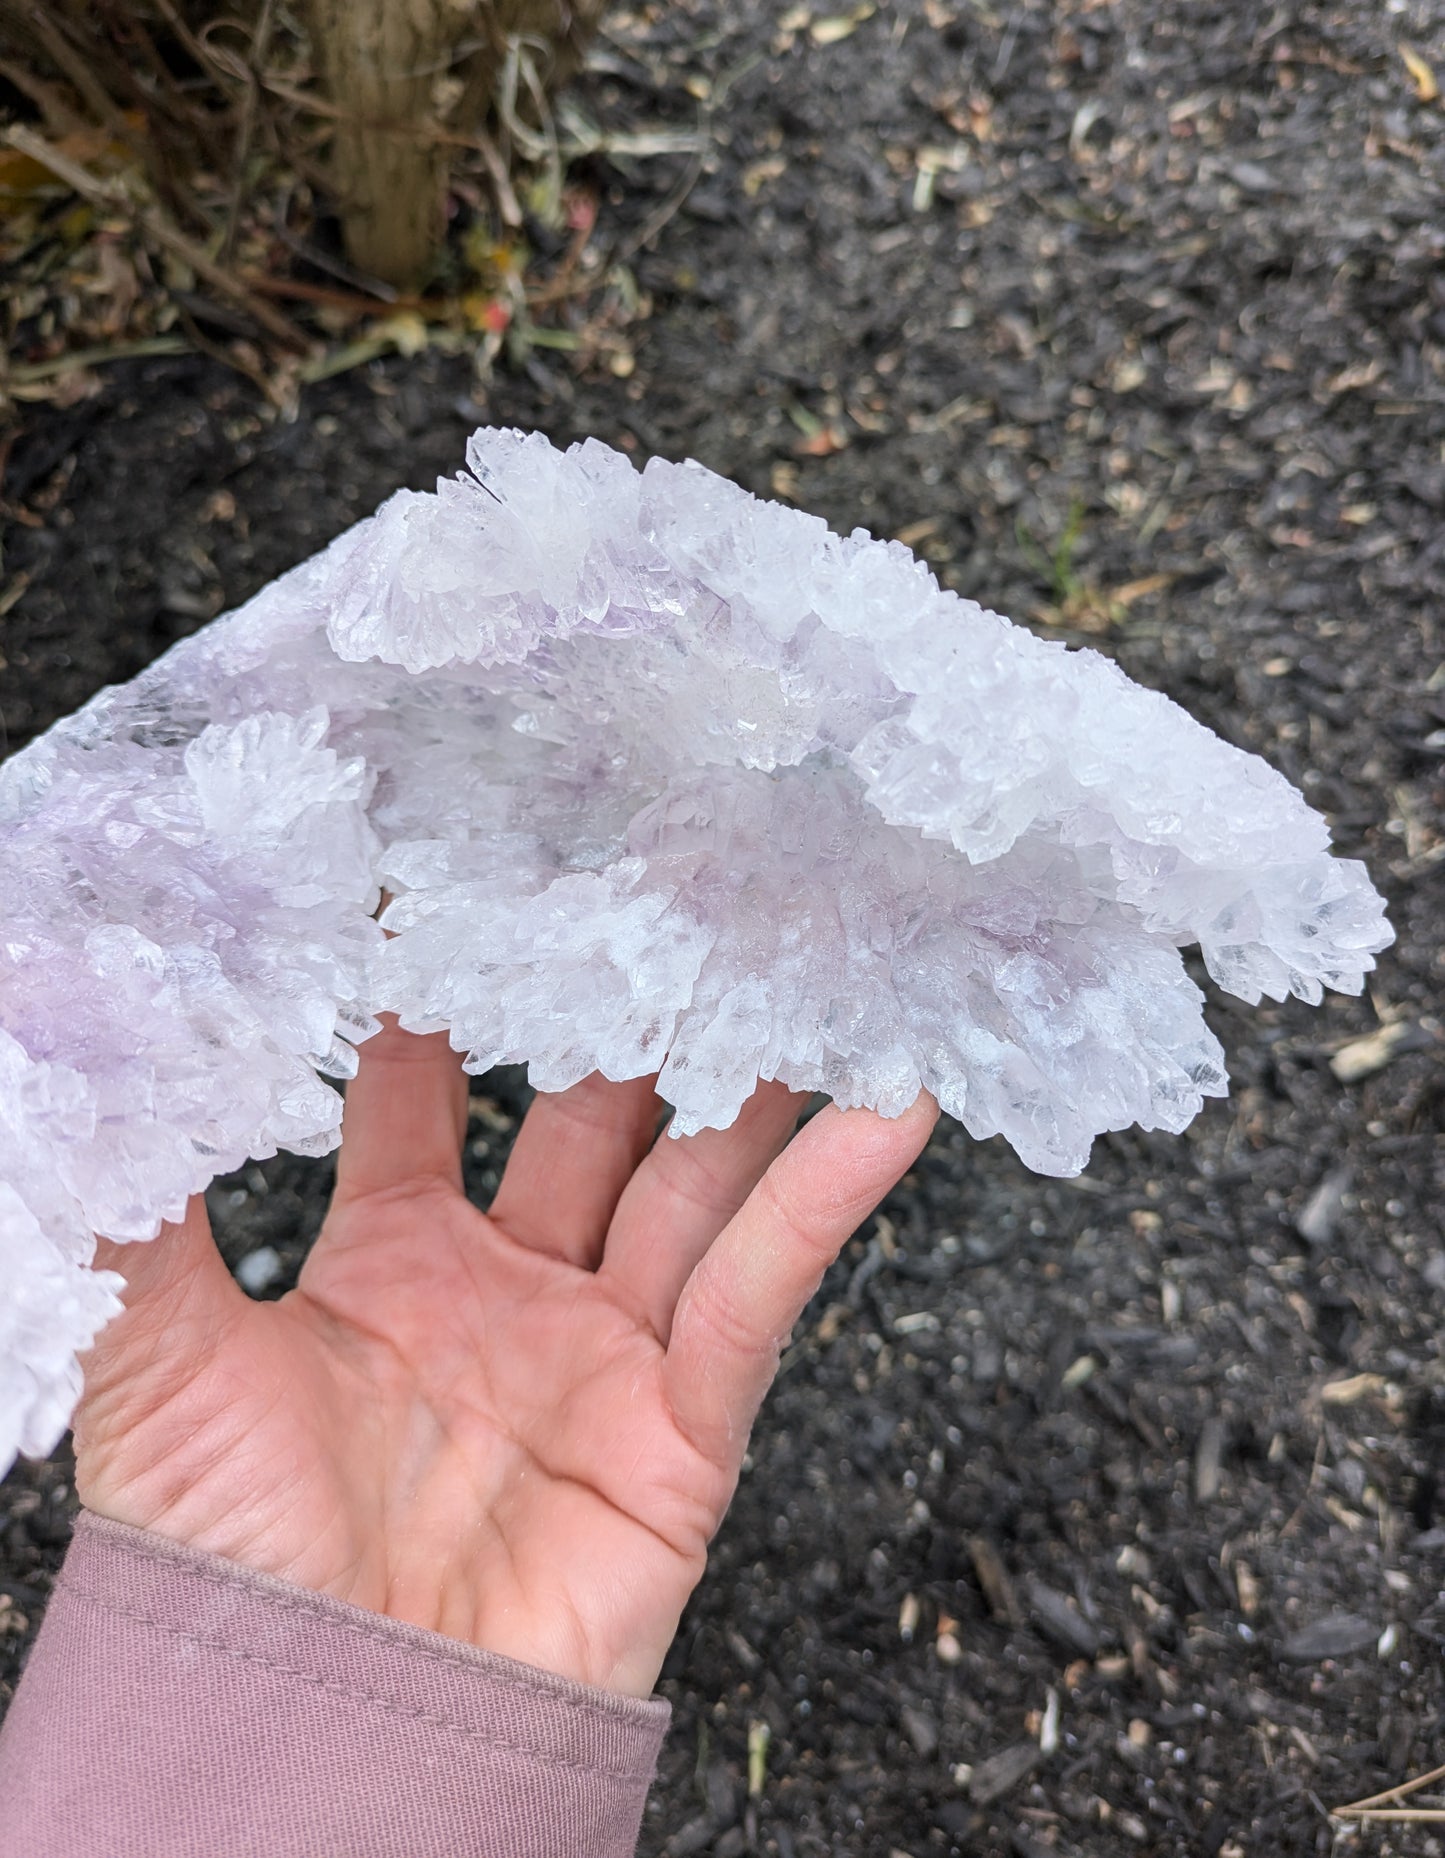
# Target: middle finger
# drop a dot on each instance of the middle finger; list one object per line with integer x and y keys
{"x": 575, "y": 1153}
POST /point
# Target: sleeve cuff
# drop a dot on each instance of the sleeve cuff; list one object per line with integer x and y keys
{"x": 178, "y": 1703}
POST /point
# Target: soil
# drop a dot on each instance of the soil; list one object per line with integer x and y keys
{"x": 1101, "y": 1516}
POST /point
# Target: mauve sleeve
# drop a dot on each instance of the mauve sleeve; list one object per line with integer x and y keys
{"x": 178, "y": 1706}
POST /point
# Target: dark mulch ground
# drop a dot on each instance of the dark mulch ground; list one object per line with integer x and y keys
{"x": 1073, "y": 297}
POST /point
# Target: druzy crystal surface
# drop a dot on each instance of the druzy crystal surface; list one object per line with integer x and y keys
{"x": 660, "y": 778}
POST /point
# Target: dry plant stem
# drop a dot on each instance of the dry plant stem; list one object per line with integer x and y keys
{"x": 556, "y": 34}
{"x": 380, "y": 59}
{"x": 30, "y": 373}
{"x": 159, "y": 230}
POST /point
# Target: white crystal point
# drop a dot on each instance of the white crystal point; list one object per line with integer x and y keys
{"x": 661, "y": 779}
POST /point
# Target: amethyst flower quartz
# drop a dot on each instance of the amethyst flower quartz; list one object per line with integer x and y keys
{"x": 660, "y": 778}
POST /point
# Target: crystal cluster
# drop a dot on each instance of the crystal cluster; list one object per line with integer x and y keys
{"x": 660, "y": 778}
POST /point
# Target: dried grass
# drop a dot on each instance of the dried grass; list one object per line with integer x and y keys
{"x": 163, "y": 184}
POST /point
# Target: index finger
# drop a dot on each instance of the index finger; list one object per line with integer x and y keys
{"x": 741, "y": 1302}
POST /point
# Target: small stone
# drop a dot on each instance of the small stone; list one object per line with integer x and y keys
{"x": 258, "y": 1270}
{"x": 1320, "y": 1215}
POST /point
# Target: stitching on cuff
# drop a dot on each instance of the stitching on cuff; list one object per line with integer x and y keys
{"x": 277, "y": 1592}
{"x": 353, "y": 1693}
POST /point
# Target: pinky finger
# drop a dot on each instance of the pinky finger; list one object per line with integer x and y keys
{"x": 741, "y": 1302}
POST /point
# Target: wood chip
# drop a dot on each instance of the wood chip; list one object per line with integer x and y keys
{"x": 1001, "y": 1773}
{"x": 1208, "y": 1459}
{"x": 1427, "y": 88}
{"x": 1349, "y": 1392}
{"x": 1339, "y": 1635}
{"x": 1059, "y": 1619}
{"x": 1363, "y": 1057}
{"x": 993, "y": 1578}
{"x": 921, "y": 1730}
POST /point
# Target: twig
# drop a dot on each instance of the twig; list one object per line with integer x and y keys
{"x": 93, "y": 93}
{"x": 155, "y": 226}
{"x": 1435, "y": 1814}
{"x": 60, "y": 119}
{"x": 333, "y": 266}
{"x": 219, "y": 352}
{"x": 246, "y": 128}
{"x": 219, "y": 68}
{"x": 1358, "y": 1808}
{"x": 303, "y": 291}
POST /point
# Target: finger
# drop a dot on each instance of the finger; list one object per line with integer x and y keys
{"x": 576, "y": 1151}
{"x": 405, "y": 1117}
{"x": 683, "y": 1195}
{"x": 178, "y": 1296}
{"x": 741, "y": 1302}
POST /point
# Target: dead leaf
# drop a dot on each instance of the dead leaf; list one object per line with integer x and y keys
{"x": 1421, "y": 76}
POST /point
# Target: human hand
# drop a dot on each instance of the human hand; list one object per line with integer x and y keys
{"x": 521, "y": 1428}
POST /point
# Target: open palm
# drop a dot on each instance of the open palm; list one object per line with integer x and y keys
{"x": 520, "y": 1429}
